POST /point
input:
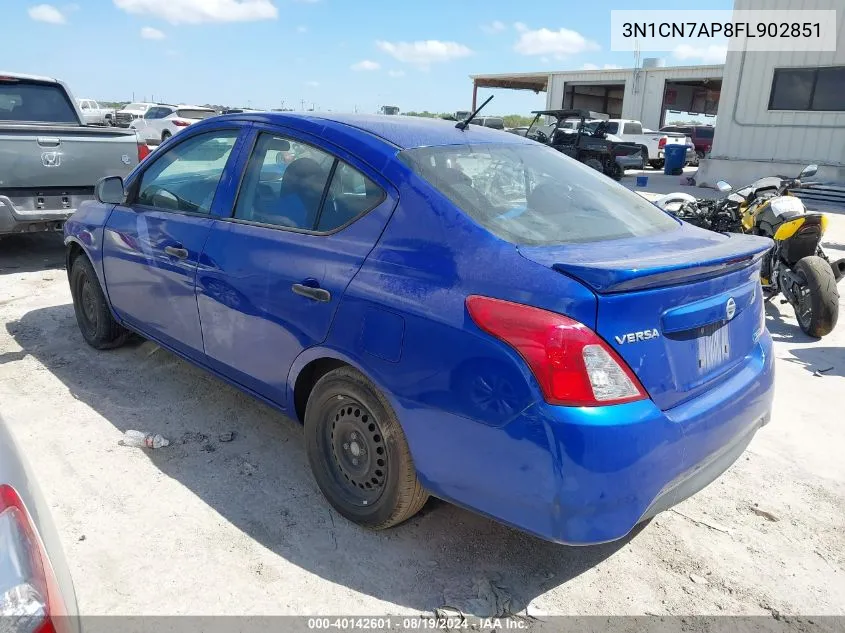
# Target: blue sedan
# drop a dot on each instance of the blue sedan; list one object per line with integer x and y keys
{"x": 459, "y": 313}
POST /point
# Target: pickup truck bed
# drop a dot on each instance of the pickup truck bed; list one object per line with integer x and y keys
{"x": 47, "y": 169}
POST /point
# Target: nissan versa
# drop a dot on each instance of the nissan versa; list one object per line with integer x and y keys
{"x": 455, "y": 312}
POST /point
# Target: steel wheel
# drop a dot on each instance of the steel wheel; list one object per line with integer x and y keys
{"x": 358, "y": 452}
{"x": 358, "y": 459}
{"x": 96, "y": 323}
{"x": 88, "y": 305}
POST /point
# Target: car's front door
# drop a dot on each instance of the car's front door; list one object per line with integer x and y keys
{"x": 152, "y": 243}
{"x": 272, "y": 274}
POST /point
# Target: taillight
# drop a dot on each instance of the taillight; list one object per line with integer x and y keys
{"x": 143, "y": 150}
{"x": 29, "y": 593}
{"x": 572, "y": 364}
{"x": 661, "y": 143}
{"x": 179, "y": 123}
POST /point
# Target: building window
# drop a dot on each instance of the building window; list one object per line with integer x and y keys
{"x": 811, "y": 89}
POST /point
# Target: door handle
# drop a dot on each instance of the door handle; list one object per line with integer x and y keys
{"x": 48, "y": 141}
{"x": 176, "y": 251}
{"x": 317, "y": 294}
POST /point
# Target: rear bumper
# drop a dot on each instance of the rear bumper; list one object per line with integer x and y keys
{"x": 590, "y": 475}
{"x": 24, "y": 215}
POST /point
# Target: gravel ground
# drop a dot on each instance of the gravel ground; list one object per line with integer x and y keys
{"x": 212, "y": 527}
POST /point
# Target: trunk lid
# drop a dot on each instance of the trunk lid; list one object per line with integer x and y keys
{"x": 682, "y": 308}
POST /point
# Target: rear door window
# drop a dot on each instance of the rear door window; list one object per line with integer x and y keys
{"x": 290, "y": 184}
{"x": 351, "y": 195}
{"x": 35, "y": 102}
{"x": 284, "y": 183}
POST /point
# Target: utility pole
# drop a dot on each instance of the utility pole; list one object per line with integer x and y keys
{"x": 302, "y": 104}
{"x": 283, "y": 105}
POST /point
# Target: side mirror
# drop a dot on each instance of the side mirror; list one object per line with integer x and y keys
{"x": 723, "y": 186}
{"x": 809, "y": 170}
{"x": 110, "y": 190}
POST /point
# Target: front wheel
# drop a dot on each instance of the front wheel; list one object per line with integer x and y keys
{"x": 817, "y": 306}
{"x": 98, "y": 327}
{"x": 656, "y": 164}
{"x": 594, "y": 163}
{"x": 358, "y": 452}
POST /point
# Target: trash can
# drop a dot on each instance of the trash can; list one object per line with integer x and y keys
{"x": 674, "y": 158}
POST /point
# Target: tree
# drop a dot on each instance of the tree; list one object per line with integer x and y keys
{"x": 517, "y": 120}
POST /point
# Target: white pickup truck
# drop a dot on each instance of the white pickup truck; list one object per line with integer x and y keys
{"x": 652, "y": 143}
{"x": 93, "y": 114}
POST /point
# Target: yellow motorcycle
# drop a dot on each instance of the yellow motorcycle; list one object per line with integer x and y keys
{"x": 796, "y": 266}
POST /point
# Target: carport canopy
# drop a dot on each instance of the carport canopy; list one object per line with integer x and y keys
{"x": 536, "y": 82}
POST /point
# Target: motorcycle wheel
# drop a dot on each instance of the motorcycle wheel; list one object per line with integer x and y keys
{"x": 817, "y": 308}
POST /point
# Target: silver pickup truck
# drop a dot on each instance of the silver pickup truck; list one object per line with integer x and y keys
{"x": 49, "y": 159}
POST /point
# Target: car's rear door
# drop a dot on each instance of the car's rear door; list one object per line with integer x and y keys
{"x": 153, "y": 242}
{"x": 274, "y": 270}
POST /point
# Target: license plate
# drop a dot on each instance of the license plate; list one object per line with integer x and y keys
{"x": 714, "y": 347}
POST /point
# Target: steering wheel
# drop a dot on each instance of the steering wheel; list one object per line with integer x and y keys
{"x": 541, "y": 136}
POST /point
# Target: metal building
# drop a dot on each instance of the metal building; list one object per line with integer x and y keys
{"x": 781, "y": 110}
{"x": 643, "y": 94}
{"x": 776, "y": 111}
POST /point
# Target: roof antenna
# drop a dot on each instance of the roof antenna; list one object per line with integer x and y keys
{"x": 462, "y": 125}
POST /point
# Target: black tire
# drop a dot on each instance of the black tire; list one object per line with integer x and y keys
{"x": 347, "y": 418}
{"x": 615, "y": 171}
{"x": 98, "y": 327}
{"x": 817, "y": 310}
{"x": 165, "y": 135}
{"x": 657, "y": 164}
{"x": 595, "y": 163}
{"x": 644, "y": 152}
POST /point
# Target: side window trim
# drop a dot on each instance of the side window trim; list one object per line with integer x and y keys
{"x": 137, "y": 177}
{"x": 325, "y": 195}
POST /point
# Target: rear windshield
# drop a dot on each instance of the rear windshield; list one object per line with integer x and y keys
{"x": 40, "y": 103}
{"x": 195, "y": 114}
{"x": 704, "y": 132}
{"x": 534, "y": 195}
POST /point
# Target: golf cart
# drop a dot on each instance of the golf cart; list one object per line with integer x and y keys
{"x": 582, "y": 135}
